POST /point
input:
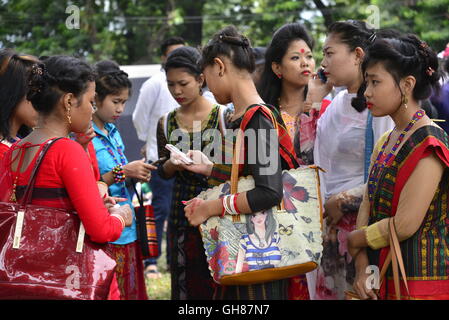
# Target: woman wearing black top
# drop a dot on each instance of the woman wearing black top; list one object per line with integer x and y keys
{"x": 228, "y": 64}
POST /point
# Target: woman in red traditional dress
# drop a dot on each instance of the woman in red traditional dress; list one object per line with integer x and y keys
{"x": 62, "y": 92}
{"x": 409, "y": 175}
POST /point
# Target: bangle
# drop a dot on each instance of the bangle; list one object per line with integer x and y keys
{"x": 223, "y": 212}
{"x": 237, "y": 211}
{"x": 118, "y": 173}
{"x": 316, "y": 105}
{"x": 225, "y": 205}
{"x": 120, "y": 218}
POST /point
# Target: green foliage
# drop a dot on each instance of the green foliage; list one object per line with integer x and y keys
{"x": 131, "y": 32}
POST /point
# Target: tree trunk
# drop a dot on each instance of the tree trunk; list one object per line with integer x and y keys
{"x": 193, "y": 32}
{"x": 325, "y": 11}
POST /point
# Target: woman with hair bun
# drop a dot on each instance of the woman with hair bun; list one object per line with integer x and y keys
{"x": 196, "y": 116}
{"x": 17, "y": 115}
{"x": 112, "y": 91}
{"x": 409, "y": 175}
{"x": 228, "y": 64}
{"x": 346, "y": 134}
{"x": 62, "y": 90}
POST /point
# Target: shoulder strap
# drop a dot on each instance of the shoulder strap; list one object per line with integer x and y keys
{"x": 369, "y": 144}
{"x": 30, "y": 187}
{"x": 165, "y": 124}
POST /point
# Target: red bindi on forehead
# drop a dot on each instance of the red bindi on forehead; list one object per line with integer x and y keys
{"x": 302, "y": 50}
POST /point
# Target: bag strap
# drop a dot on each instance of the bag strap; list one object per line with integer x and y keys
{"x": 165, "y": 124}
{"x": 139, "y": 197}
{"x": 369, "y": 144}
{"x": 27, "y": 197}
{"x": 394, "y": 256}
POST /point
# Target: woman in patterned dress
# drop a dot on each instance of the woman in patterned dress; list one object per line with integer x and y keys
{"x": 408, "y": 182}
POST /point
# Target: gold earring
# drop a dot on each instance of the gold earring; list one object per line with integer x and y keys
{"x": 404, "y": 101}
{"x": 69, "y": 117}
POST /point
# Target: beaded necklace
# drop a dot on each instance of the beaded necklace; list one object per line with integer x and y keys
{"x": 111, "y": 152}
{"x": 377, "y": 165}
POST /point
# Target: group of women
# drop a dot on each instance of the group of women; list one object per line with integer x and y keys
{"x": 384, "y": 157}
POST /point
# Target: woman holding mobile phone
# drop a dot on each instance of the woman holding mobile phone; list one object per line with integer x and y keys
{"x": 190, "y": 277}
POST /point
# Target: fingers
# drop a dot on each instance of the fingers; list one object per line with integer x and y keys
{"x": 372, "y": 295}
{"x": 117, "y": 199}
{"x": 148, "y": 166}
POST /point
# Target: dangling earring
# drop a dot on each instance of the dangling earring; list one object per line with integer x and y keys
{"x": 279, "y": 76}
{"x": 69, "y": 117}
{"x": 404, "y": 101}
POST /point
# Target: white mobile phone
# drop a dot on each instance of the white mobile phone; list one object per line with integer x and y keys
{"x": 183, "y": 156}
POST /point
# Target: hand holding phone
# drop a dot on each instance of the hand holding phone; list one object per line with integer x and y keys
{"x": 179, "y": 154}
{"x": 322, "y": 75}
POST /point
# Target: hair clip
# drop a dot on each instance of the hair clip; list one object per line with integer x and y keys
{"x": 430, "y": 71}
{"x": 372, "y": 38}
{"x": 36, "y": 69}
{"x": 424, "y": 45}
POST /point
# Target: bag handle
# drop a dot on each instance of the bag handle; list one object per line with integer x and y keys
{"x": 27, "y": 197}
{"x": 239, "y": 145}
{"x": 139, "y": 197}
{"x": 394, "y": 256}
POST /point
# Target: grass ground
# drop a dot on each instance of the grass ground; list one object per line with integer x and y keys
{"x": 159, "y": 289}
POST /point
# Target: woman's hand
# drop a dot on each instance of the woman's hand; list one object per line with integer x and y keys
{"x": 139, "y": 170}
{"x": 84, "y": 138}
{"x": 109, "y": 202}
{"x": 125, "y": 212}
{"x": 197, "y": 211}
{"x": 332, "y": 211}
{"x": 361, "y": 277}
{"x": 317, "y": 89}
{"x": 201, "y": 163}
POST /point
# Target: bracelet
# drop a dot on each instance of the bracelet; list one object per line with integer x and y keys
{"x": 316, "y": 105}
{"x": 223, "y": 212}
{"x": 118, "y": 173}
{"x": 237, "y": 211}
{"x": 225, "y": 205}
{"x": 231, "y": 206}
{"x": 120, "y": 218}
